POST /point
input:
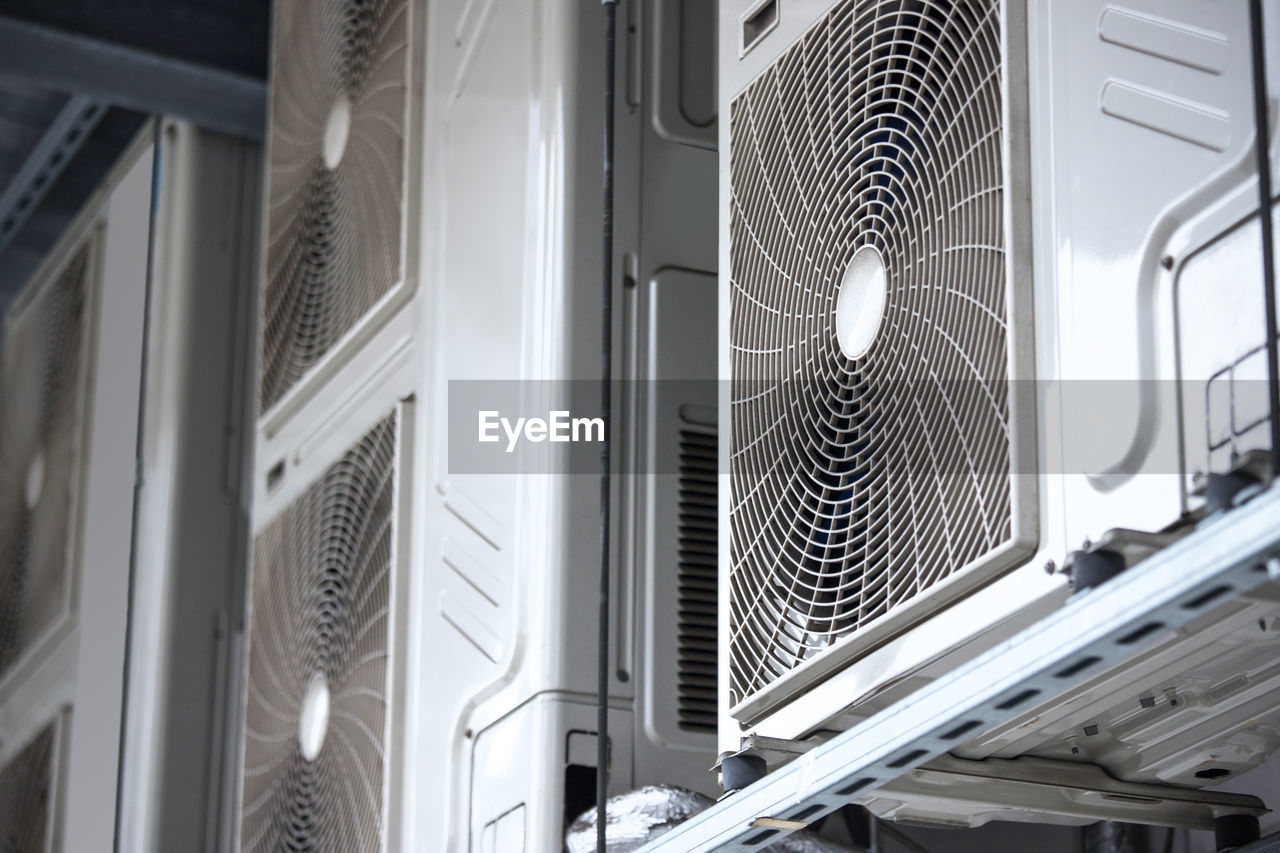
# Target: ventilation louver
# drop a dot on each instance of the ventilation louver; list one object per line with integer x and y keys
{"x": 315, "y": 753}
{"x": 696, "y": 639}
{"x": 335, "y": 215}
{"x": 870, "y": 446}
{"x": 26, "y": 794}
{"x": 40, "y": 415}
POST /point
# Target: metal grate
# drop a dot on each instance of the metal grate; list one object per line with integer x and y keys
{"x": 696, "y": 641}
{"x": 870, "y": 447}
{"x": 336, "y": 182}
{"x": 41, "y": 373}
{"x": 319, "y": 610}
{"x": 26, "y": 793}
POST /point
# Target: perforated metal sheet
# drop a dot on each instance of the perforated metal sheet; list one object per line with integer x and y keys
{"x": 860, "y": 483}
{"x": 41, "y": 380}
{"x": 334, "y": 225}
{"x": 26, "y": 796}
{"x": 320, "y": 605}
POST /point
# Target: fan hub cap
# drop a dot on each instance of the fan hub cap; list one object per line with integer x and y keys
{"x": 34, "y": 486}
{"x": 337, "y": 128}
{"x": 860, "y": 302}
{"x": 313, "y": 722}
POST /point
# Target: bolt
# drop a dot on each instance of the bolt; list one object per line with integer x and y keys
{"x": 1167, "y": 262}
{"x": 1050, "y": 567}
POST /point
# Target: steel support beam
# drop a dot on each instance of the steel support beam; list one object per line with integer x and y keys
{"x": 1227, "y": 557}
{"x": 63, "y": 138}
{"x": 129, "y": 77}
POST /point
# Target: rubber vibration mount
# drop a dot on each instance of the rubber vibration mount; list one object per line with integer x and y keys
{"x": 1235, "y": 830}
{"x": 1221, "y": 489}
{"x": 1092, "y": 568}
{"x": 739, "y": 771}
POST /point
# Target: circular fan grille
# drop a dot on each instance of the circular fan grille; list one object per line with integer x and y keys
{"x": 861, "y": 482}
{"x": 40, "y": 379}
{"x": 336, "y": 144}
{"x": 318, "y": 613}
{"x": 26, "y": 787}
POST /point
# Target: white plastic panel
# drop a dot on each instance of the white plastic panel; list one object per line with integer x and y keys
{"x": 1152, "y": 130}
{"x": 520, "y": 766}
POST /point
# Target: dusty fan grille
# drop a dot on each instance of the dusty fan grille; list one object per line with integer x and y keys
{"x": 40, "y": 411}
{"x": 861, "y": 482}
{"x": 320, "y": 603}
{"x": 26, "y": 791}
{"x": 334, "y": 227}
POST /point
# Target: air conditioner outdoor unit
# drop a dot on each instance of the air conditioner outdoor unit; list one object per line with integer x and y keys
{"x": 70, "y": 374}
{"x": 321, "y": 670}
{"x": 338, "y": 245}
{"x": 988, "y": 269}
{"x": 487, "y": 595}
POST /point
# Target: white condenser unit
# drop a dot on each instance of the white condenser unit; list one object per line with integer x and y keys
{"x": 419, "y": 656}
{"x": 319, "y": 661}
{"x": 337, "y": 244}
{"x": 988, "y": 270}
{"x": 69, "y": 389}
{"x": 504, "y": 714}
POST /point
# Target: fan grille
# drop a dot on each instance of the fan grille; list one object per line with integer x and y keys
{"x": 334, "y": 224}
{"x": 860, "y": 482}
{"x": 40, "y": 409}
{"x": 320, "y": 602}
{"x": 697, "y": 581}
{"x": 26, "y": 788}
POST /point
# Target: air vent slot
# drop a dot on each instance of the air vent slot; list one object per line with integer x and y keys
{"x": 696, "y": 577}
{"x": 758, "y": 23}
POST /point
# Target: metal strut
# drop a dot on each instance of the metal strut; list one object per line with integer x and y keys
{"x": 606, "y": 405}
{"x": 1262, "y": 144}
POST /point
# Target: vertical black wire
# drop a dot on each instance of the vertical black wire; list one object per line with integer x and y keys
{"x": 1263, "y": 146}
{"x": 606, "y": 405}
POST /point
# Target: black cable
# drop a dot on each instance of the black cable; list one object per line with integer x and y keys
{"x": 606, "y": 392}
{"x": 1263, "y": 146}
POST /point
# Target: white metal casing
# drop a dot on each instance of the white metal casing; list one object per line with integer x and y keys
{"x": 1140, "y": 144}
{"x": 511, "y": 247}
{"x": 500, "y": 571}
{"x": 189, "y": 557}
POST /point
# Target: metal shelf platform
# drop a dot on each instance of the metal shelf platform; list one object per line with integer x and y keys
{"x": 1226, "y": 557}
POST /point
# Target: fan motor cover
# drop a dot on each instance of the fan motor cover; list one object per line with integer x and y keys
{"x": 315, "y": 760}
{"x": 336, "y": 201}
{"x": 870, "y": 298}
